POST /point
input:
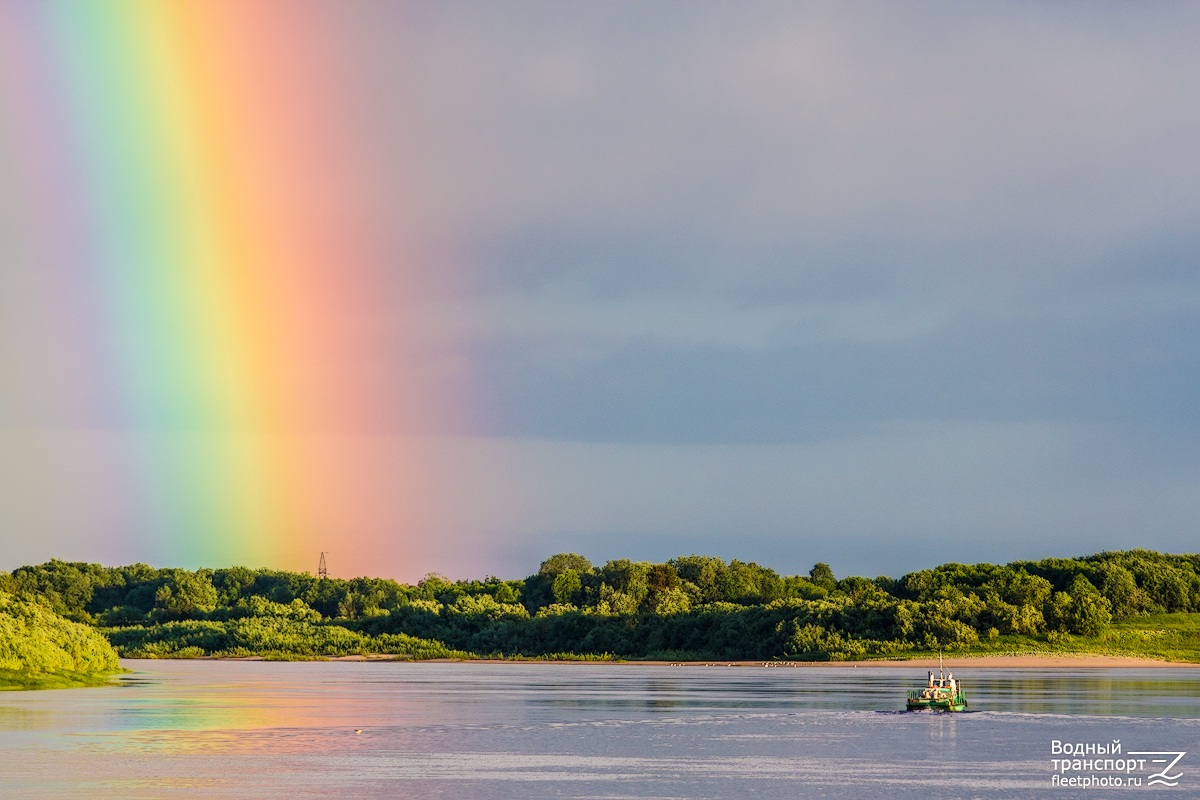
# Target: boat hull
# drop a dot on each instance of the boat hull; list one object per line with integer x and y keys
{"x": 957, "y": 704}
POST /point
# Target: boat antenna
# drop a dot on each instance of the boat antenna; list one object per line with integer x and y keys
{"x": 939, "y": 664}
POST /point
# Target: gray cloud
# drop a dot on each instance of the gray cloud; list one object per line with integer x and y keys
{"x": 823, "y": 150}
{"x": 574, "y": 324}
{"x": 896, "y": 499}
{"x": 888, "y": 501}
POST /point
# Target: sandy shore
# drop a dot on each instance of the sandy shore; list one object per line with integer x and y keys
{"x": 1046, "y": 661}
{"x": 1035, "y": 661}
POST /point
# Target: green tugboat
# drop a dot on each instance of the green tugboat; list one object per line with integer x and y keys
{"x": 942, "y": 693}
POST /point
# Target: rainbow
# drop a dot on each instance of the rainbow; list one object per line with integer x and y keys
{"x": 217, "y": 289}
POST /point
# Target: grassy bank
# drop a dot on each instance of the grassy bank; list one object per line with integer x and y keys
{"x": 1170, "y": 637}
{"x": 18, "y": 680}
{"x": 41, "y": 650}
{"x": 1161, "y": 637}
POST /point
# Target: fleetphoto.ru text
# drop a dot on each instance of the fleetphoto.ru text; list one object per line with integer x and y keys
{"x": 1105, "y": 765}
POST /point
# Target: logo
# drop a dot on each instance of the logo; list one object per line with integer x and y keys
{"x": 1162, "y": 776}
{"x": 1102, "y": 764}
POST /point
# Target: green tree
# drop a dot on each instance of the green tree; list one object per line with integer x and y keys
{"x": 438, "y": 587}
{"x": 185, "y": 595}
{"x": 1117, "y": 584}
{"x": 1088, "y": 612}
{"x": 615, "y": 602}
{"x": 668, "y": 602}
{"x": 662, "y": 577}
{"x": 703, "y": 572}
{"x": 630, "y": 578}
{"x": 567, "y": 587}
{"x": 801, "y": 587}
{"x": 749, "y": 583}
{"x": 560, "y": 563}
{"x": 822, "y": 575}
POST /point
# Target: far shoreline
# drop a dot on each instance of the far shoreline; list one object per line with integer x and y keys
{"x": 1014, "y": 661}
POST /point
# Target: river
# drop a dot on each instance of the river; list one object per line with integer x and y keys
{"x": 246, "y": 729}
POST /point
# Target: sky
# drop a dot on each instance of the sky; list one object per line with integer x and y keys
{"x": 879, "y": 285}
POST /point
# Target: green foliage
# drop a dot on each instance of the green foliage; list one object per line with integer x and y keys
{"x": 1117, "y": 584}
{"x": 256, "y": 606}
{"x": 66, "y": 588}
{"x": 275, "y": 636}
{"x": 1082, "y": 609}
{"x": 750, "y": 584}
{"x": 693, "y": 606}
{"x": 803, "y": 588}
{"x": 185, "y": 595}
{"x": 671, "y": 601}
{"x": 558, "y": 564}
{"x": 822, "y": 575}
{"x": 48, "y": 649}
{"x": 627, "y": 577}
{"x": 701, "y": 574}
{"x": 22, "y": 680}
{"x": 567, "y": 586}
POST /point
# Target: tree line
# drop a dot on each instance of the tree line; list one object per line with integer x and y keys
{"x": 691, "y": 607}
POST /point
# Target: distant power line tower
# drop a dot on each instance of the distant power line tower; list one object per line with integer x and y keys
{"x": 322, "y": 572}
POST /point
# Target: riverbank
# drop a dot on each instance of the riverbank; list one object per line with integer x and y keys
{"x": 19, "y": 681}
{"x": 968, "y": 662}
{"x": 1015, "y": 661}
{"x": 1021, "y": 661}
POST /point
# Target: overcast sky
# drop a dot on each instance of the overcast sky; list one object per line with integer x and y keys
{"x": 877, "y": 284}
{"x": 882, "y": 285}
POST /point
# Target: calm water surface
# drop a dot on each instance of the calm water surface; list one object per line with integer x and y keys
{"x": 386, "y": 729}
